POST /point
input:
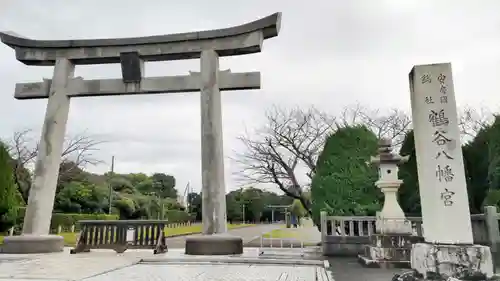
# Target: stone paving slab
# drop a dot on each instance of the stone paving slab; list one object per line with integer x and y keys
{"x": 10, "y": 279}
{"x": 63, "y": 266}
{"x": 233, "y": 260}
{"x": 247, "y": 272}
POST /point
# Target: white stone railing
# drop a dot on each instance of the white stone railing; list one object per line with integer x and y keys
{"x": 484, "y": 226}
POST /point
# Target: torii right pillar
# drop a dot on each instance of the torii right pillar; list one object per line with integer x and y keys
{"x": 448, "y": 251}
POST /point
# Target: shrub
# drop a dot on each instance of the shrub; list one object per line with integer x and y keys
{"x": 67, "y": 220}
{"x": 8, "y": 191}
{"x": 177, "y": 216}
{"x": 344, "y": 183}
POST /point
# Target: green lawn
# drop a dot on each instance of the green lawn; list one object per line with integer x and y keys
{"x": 70, "y": 238}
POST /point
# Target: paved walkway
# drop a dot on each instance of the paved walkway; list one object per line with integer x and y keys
{"x": 305, "y": 235}
{"x": 104, "y": 265}
{"x": 95, "y": 265}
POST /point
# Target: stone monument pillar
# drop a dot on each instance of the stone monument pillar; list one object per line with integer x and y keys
{"x": 391, "y": 246}
{"x": 448, "y": 250}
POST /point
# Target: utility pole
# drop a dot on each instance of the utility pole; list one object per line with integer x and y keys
{"x": 109, "y": 183}
{"x": 160, "y": 215}
{"x": 187, "y": 192}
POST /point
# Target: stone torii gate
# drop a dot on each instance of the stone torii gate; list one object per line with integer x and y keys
{"x": 131, "y": 53}
{"x": 274, "y": 207}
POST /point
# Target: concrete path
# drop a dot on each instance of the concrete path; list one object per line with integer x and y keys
{"x": 305, "y": 235}
{"x": 248, "y": 234}
{"x": 106, "y": 265}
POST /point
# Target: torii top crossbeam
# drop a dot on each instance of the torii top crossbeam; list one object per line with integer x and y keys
{"x": 237, "y": 40}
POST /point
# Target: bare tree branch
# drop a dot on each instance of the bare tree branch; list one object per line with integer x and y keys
{"x": 471, "y": 121}
{"x": 392, "y": 124}
{"x": 23, "y": 149}
{"x": 301, "y": 132}
{"x": 291, "y": 138}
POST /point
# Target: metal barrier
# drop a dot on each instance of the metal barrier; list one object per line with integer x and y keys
{"x": 277, "y": 246}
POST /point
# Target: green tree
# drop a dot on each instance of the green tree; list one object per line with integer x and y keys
{"x": 122, "y": 185}
{"x": 68, "y": 172}
{"x": 164, "y": 185}
{"x": 298, "y": 209}
{"x": 344, "y": 181}
{"x": 482, "y": 164}
{"x": 234, "y": 205}
{"x": 8, "y": 192}
{"x": 492, "y": 198}
{"x": 194, "y": 205}
{"x": 254, "y": 201}
{"x": 80, "y": 197}
{"x": 409, "y": 197}
{"x": 125, "y": 206}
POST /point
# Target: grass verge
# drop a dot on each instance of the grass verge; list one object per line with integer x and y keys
{"x": 70, "y": 238}
{"x": 283, "y": 233}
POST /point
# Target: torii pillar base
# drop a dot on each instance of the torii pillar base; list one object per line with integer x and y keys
{"x": 215, "y": 244}
{"x": 32, "y": 244}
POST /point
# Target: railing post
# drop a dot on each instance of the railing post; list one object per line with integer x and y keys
{"x": 491, "y": 221}
{"x": 323, "y": 226}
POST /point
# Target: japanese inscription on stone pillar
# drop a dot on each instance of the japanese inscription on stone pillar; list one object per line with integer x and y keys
{"x": 441, "y": 176}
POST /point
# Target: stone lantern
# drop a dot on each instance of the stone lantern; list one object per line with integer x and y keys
{"x": 391, "y": 220}
{"x": 391, "y": 245}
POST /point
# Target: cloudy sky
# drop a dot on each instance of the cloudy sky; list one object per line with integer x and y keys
{"x": 330, "y": 54}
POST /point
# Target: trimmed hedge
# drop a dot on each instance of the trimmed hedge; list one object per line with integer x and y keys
{"x": 67, "y": 220}
{"x": 64, "y": 220}
{"x": 175, "y": 216}
{"x": 343, "y": 184}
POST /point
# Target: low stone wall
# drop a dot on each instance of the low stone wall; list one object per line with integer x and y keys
{"x": 347, "y": 246}
{"x": 347, "y": 236}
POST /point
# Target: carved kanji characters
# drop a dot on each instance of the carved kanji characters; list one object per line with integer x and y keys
{"x": 426, "y": 78}
{"x": 444, "y": 173}
{"x": 446, "y": 196}
{"x": 438, "y": 118}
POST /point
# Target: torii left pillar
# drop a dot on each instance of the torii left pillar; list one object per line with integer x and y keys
{"x": 35, "y": 238}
